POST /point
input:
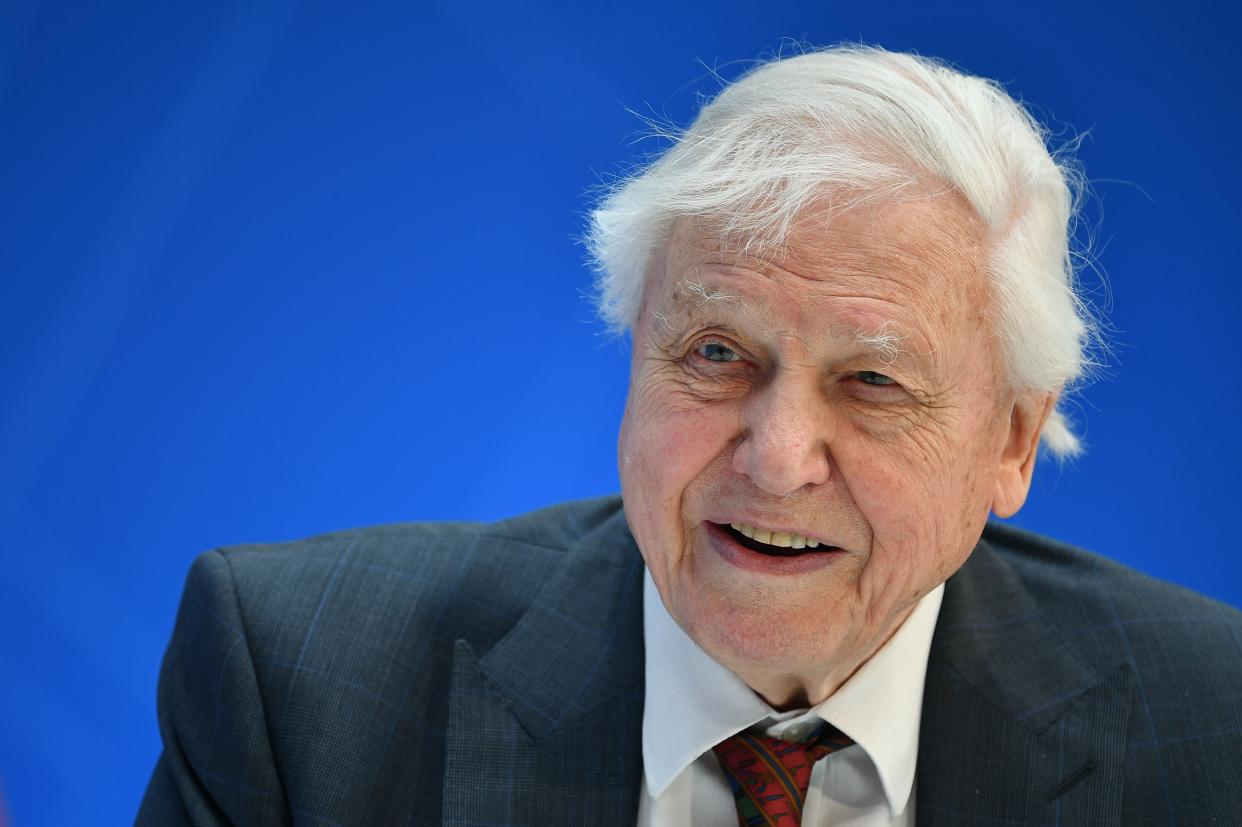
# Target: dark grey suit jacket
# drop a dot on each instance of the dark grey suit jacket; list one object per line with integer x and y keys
{"x": 474, "y": 674}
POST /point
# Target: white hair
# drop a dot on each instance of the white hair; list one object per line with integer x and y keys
{"x": 854, "y": 124}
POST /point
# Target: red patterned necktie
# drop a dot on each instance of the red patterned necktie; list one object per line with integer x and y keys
{"x": 769, "y": 777}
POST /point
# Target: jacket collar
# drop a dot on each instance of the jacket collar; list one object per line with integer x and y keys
{"x": 551, "y": 717}
{"x": 997, "y": 637}
{"x": 1016, "y": 723}
{"x": 580, "y": 644}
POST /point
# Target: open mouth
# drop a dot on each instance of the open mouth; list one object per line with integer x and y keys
{"x": 771, "y": 549}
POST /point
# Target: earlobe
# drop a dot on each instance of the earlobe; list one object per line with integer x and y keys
{"x": 1017, "y": 460}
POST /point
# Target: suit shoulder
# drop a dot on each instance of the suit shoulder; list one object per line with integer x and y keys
{"x": 554, "y": 528}
{"x": 332, "y": 658}
{"x": 1181, "y": 644}
{"x": 389, "y": 586}
{"x": 1178, "y": 654}
{"x": 1058, "y": 571}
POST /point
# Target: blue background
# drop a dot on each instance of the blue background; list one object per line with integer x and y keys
{"x": 271, "y": 269}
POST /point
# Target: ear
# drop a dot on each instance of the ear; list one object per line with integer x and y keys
{"x": 1017, "y": 460}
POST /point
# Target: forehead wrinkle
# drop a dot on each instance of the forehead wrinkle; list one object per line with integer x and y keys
{"x": 693, "y": 298}
{"x": 894, "y": 317}
{"x": 874, "y": 312}
{"x": 850, "y": 274}
{"x": 885, "y": 341}
{"x": 844, "y": 286}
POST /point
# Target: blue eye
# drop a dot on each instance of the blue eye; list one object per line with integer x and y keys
{"x": 870, "y": 377}
{"x": 716, "y": 352}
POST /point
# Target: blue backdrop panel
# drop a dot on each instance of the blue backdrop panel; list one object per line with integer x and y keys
{"x": 270, "y": 269}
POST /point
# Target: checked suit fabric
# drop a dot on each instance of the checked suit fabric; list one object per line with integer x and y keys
{"x": 374, "y": 676}
{"x": 769, "y": 777}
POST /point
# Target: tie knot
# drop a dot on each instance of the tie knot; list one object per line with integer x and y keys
{"x": 827, "y": 739}
{"x": 769, "y": 777}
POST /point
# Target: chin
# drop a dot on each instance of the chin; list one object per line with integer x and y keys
{"x": 751, "y": 636}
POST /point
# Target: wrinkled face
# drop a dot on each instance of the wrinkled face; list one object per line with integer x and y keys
{"x": 812, "y": 439}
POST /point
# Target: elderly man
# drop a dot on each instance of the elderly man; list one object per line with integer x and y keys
{"x": 853, "y": 314}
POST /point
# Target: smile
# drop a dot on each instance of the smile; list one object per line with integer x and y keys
{"x": 772, "y": 543}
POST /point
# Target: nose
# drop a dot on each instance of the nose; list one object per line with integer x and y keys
{"x": 785, "y": 438}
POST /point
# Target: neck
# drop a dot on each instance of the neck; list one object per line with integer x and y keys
{"x": 805, "y": 687}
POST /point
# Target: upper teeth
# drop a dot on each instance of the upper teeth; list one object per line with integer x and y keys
{"x": 775, "y": 538}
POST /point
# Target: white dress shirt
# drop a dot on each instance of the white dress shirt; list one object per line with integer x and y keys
{"x": 694, "y": 703}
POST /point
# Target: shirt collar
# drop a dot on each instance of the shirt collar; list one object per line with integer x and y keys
{"x": 693, "y": 702}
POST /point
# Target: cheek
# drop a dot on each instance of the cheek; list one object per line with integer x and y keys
{"x": 662, "y": 452}
{"x": 926, "y": 504}
{"x": 663, "y": 446}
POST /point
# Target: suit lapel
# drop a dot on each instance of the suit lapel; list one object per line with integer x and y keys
{"x": 546, "y": 728}
{"x": 1017, "y": 728}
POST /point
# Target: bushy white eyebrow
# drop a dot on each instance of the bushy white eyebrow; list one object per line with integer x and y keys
{"x": 885, "y": 341}
{"x": 705, "y": 293}
{"x": 693, "y": 289}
